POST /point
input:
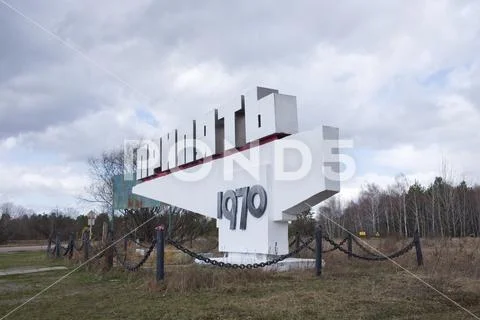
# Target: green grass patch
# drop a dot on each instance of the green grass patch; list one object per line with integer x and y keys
{"x": 25, "y": 259}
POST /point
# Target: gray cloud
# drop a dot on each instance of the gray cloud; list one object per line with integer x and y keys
{"x": 389, "y": 75}
{"x": 24, "y": 49}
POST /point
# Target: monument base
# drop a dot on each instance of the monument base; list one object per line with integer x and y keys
{"x": 251, "y": 258}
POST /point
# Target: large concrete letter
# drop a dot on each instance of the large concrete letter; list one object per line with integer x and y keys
{"x": 206, "y": 133}
{"x": 233, "y": 117}
{"x": 267, "y": 112}
{"x": 169, "y": 150}
{"x": 184, "y": 137}
{"x": 153, "y": 157}
{"x": 142, "y": 162}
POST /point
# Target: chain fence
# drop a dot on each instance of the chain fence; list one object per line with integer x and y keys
{"x": 228, "y": 265}
{"x": 364, "y": 248}
{"x": 205, "y": 259}
{"x": 138, "y": 265}
{"x": 300, "y": 243}
{"x": 375, "y": 257}
{"x": 341, "y": 243}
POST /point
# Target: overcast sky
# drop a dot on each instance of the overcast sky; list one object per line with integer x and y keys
{"x": 400, "y": 78}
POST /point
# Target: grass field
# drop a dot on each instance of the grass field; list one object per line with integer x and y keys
{"x": 347, "y": 290}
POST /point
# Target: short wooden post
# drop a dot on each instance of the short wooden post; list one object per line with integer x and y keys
{"x": 349, "y": 244}
{"x": 107, "y": 245}
{"x": 104, "y": 233}
{"x": 49, "y": 247}
{"x": 86, "y": 245}
{"x": 160, "y": 253}
{"x": 125, "y": 248}
{"x": 297, "y": 241}
{"x": 418, "y": 248}
{"x": 58, "y": 245}
{"x": 318, "y": 251}
{"x": 71, "y": 245}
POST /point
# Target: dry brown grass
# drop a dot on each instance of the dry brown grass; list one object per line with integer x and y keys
{"x": 452, "y": 258}
{"x": 195, "y": 278}
{"x": 450, "y": 265}
{"x": 347, "y": 289}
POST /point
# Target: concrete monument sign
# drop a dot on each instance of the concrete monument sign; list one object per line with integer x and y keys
{"x": 247, "y": 166}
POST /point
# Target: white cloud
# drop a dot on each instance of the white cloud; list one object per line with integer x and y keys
{"x": 410, "y": 158}
{"x": 20, "y": 181}
{"x": 352, "y": 188}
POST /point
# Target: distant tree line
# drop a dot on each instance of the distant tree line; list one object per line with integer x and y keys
{"x": 16, "y": 223}
{"x": 440, "y": 209}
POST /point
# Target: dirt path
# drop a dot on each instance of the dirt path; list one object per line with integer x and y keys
{"x": 25, "y": 270}
{"x": 22, "y": 248}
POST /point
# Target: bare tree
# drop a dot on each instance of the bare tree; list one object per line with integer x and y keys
{"x": 371, "y": 196}
{"x": 102, "y": 169}
{"x": 329, "y": 214}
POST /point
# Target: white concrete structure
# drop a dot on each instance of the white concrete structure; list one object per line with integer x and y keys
{"x": 264, "y": 151}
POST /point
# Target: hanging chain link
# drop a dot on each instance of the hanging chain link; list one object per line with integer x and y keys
{"x": 334, "y": 248}
{"x": 67, "y": 250}
{"x": 323, "y": 251}
{"x": 292, "y": 243}
{"x": 365, "y": 249}
{"x": 375, "y": 258}
{"x": 329, "y": 250}
{"x": 234, "y": 265}
{"x": 139, "y": 264}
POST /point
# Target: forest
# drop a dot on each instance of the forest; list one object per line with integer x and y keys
{"x": 18, "y": 223}
{"x": 440, "y": 209}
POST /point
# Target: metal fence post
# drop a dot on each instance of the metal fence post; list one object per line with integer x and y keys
{"x": 57, "y": 246}
{"x": 160, "y": 253}
{"x": 418, "y": 248}
{"x": 318, "y": 250}
{"x": 349, "y": 244}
